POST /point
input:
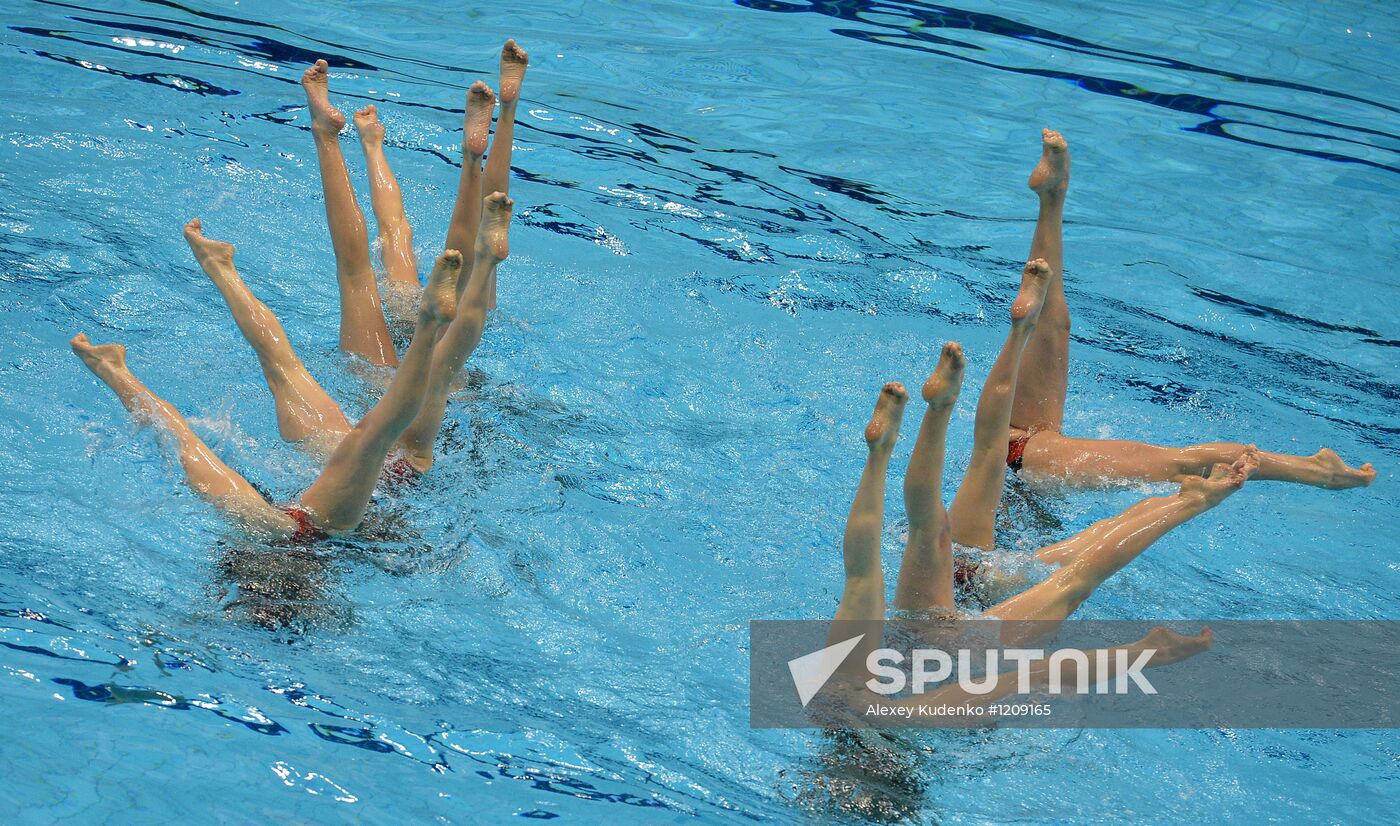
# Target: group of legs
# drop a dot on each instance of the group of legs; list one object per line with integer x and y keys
{"x": 1018, "y": 424}
{"x": 397, "y": 435}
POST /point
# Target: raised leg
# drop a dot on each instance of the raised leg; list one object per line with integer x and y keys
{"x": 1044, "y": 372}
{"x": 395, "y": 235}
{"x": 1094, "y": 555}
{"x": 974, "y": 508}
{"x": 305, "y": 413}
{"x": 336, "y": 500}
{"x": 476, "y": 131}
{"x": 514, "y": 61}
{"x": 926, "y": 573}
{"x": 462, "y": 335}
{"x": 400, "y": 292}
{"x": 206, "y": 474}
{"x": 862, "y": 608}
{"x": 362, "y": 327}
{"x": 1090, "y": 462}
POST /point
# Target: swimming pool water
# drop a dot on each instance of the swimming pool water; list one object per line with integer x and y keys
{"x": 734, "y": 222}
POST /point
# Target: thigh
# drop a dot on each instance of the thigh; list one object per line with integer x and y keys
{"x": 255, "y": 515}
{"x": 1091, "y": 462}
{"x": 974, "y": 508}
{"x": 221, "y": 485}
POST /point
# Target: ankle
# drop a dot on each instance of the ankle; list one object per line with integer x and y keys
{"x": 881, "y": 452}
{"x": 481, "y": 250}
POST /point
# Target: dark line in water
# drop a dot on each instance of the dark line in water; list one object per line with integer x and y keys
{"x": 44, "y": 652}
{"x": 32, "y": 616}
{"x": 190, "y": 84}
{"x": 1293, "y": 367}
{"x": 277, "y": 45}
{"x": 1275, "y": 314}
{"x": 1182, "y": 102}
{"x": 112, "y": 694}
{"x": 801, "y": 210}
{"x": 931, "y": 16}
{"x": 788, "y": 220}
{"x": 539, "y": 773}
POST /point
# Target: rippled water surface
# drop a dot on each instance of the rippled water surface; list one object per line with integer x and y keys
{"x": 734, "y": 221}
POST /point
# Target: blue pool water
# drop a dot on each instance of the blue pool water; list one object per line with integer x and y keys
{"x": 734, "y": 221}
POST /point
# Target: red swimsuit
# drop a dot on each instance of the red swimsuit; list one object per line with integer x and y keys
{"x": 1015, "y": 448}
{"x": 401, "y": 471}
{"x": 306, "y": 532}
{"x": 964, "y": 572}
{"x": 398, "y": 472}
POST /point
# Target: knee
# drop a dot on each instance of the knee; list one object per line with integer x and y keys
{"x": 863, "y": 599}
{"x": 926, "y": 512}
{"x": 999, "y": 388}
{"x": 1077, "y": 583}
{"x": 869, "y": 525}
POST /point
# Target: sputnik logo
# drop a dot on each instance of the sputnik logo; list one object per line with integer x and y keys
{"x": 811, "y": 671}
